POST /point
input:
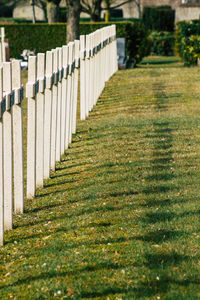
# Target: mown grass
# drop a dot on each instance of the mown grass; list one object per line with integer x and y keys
{"x": 119, "y": 219}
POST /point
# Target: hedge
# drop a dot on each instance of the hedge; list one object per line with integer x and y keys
{"x": 135, "y": 33}
{"x": 187, "y": 44}
{"x": 162, "y": 43}
{"x": 38, "y": 37}
{"x": 43, "y": 37}
{"x": 159, "y": 18}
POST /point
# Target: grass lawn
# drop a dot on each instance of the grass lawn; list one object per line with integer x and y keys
{"x": 120, "y": 217}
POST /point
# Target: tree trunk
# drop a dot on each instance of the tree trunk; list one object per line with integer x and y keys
{"x": 107, "y": 11}
{"x": 96, "y": 13}
{"x": 52, "y": 12}
{"x": 139, "y": 9}
{"x": 73, "y": 19}
{"x": 95, "y": 17}
{"x": 42, "y": 5}
{"x": 34, "y": 18}
{"x": 32, "y": 2}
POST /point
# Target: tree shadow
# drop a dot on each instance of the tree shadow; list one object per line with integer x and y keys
{"x": 160, "y": 236}
{"x": 160, "y": 174}
{"x": 163, "y": 260}
{"x": 143, "y": 289}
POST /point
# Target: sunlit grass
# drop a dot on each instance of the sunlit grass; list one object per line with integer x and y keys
{"x": 119, "y": 219}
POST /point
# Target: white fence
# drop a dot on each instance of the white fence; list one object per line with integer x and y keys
{"x": 52, "y": 91}
{"x": 2, "y": 45}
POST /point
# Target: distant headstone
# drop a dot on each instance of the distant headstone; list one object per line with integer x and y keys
{"x": 121, "y": 53}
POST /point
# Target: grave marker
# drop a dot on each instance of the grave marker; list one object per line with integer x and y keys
{"x": 1, "y": 164}
{"x": 40, "y": 121}
{"x": 7, "y": 148}
{"x": 17, "y": 124}
{"x": 54, "y": 110}
{"x": 48, "y": 116}
{"x": 31, "y": 127}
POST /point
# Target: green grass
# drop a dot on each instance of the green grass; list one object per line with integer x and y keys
{"x": 119, "y": 219}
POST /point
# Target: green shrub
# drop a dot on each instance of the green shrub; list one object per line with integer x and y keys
{"x": 159, "y": 18}
{"x": 162, "y": 43}
{"x": 43, "y": 37}
{"x": 135, "y": 33}
{"x": 185, "y": 29}
{"x": 138, "y": 45}
{"x": 187, "y": 44}
{"x": 191, "y": 52}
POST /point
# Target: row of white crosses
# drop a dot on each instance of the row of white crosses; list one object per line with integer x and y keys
{"x": 2, "y": 45}
{"x": 51, "y": 90}
{"x": 11, "y": 144}
{"x": 98, "y": 54}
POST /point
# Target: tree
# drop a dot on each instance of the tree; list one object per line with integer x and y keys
{"x": 73, "y": 15}
{"x": 42, "y": 5}
{"x": 32, "y": 3}
{"x": 53, "y": 10}
{"x": 139, "y": 8}
{"x": 50, "y": 8}
{"x": 6, "y": 7}
{"x": 73, "y": 19}
{"x": 113, "y": 4}
{"x": 92, "y": 8}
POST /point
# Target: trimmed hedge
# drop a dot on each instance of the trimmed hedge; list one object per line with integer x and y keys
{"x": 159, "y": 18}
{"x": 43, "y": 37}
{"x": 162, "y": 43}
{"x": 187, "y": 44}
{"x": 38, "y": 37}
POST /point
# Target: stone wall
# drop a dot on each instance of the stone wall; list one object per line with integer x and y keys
{"x": 187, "y": 13}
{"x": 172, "y": 3}
{"x": 183, "y": 12}
{"x": 24, "y": 10}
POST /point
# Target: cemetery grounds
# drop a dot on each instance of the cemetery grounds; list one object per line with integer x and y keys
{"x": 119, "y": 219}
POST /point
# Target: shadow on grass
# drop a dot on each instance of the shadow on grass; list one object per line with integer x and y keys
{"x": 146, "y": 289}
{"x": 156, "y": 203}
{"x": 74, "y": 214}
{"x": 54, "y": 274}
{"x": 140, "y": 289}
{"x": 160, "y": 236}
{"x": 164, "y": 260}
{"x": 160, "y": 177}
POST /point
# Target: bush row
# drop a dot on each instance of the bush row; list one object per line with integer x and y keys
{"x": 187, "y": 43}
{"x": 43, "y": 37}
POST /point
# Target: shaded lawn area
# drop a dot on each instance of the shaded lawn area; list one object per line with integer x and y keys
{"x": 119, "y": 219}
